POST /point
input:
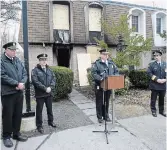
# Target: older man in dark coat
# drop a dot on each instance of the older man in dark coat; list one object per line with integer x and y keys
{"x": 13, "y": 79}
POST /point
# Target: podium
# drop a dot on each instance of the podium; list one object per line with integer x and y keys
{"x": 111, "y": 83}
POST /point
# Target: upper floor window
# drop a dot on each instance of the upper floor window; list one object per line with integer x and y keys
{"x": 61, "y": 25}
{"x": 135, "y": 23}
{"x": 95, "y": 15}
{"x": 138, "y": 21}
{"x": 158, "y": 25}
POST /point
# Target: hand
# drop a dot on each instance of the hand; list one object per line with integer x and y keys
{"x": 48, "y": 90}
{"x": 20, "y": 86}
{"x": 161, "y": 80}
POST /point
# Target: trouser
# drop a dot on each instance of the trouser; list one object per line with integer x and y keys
{"x": 12, "y": 106}
{"x": 39, "y": 108}
{"x": 100, "y": 105}
{"x": 154, "y": 94}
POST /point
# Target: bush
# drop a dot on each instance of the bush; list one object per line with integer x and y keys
{"x": 90, "y": 78}
{"x": 124, "y": 72}
{"x": 64, "y": 81}
{"x": 139, "y": 78}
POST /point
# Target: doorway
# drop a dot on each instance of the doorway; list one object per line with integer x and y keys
{"x": 63, "y": 57}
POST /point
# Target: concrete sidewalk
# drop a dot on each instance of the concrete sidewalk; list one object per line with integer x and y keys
{"x": 139, "y": 133}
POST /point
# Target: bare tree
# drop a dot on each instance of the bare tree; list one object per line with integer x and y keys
{"x": 10, "y": 10}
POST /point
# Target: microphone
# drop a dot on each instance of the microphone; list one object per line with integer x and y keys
{"x": 105, "y": 71}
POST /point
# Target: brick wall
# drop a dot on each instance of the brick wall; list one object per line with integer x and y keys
{"x": 39, "y": 28}
{"x": 79, "y": 29}
{"x": 38, "y": 22}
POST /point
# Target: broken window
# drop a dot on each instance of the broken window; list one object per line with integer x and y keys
{"x": 61, "y": 26}
{"x": 94, "y": 24}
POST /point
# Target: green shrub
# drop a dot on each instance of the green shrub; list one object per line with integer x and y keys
{"x": 139, "y": 78}
{"x": 64, "y": 81}
{"x": 124, "y": 72}
{"x": 90, "y": 78}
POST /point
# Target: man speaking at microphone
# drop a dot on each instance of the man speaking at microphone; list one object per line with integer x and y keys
{"x": 102, "y": 68}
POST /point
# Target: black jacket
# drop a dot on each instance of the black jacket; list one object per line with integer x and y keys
{"x": 41, "y": 80}
{"x": 12, "y": 72}
{"x": 99, "y": 67}
{"x": 157, "y": 72}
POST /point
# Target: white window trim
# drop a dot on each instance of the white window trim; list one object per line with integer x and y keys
{"x": 143, "y": 23}
{"x": 158, "y": 41}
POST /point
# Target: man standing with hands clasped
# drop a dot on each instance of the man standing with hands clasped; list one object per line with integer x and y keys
{"x": 44, "y": 82}
{"x": 13, "y": 78}
{"x": 157, "y": 72}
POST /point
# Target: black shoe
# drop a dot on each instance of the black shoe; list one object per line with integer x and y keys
{"x": 20, "y": 138}
{"x": 52, "y": 124}
{"x": 163, "y": 114}
{"x": 7, "y": 142}
{"x": 100, "y": 120}
{"x": 40, "y": 129}
{"x": 154, "y": 114}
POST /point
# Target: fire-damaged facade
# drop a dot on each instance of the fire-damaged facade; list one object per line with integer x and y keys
{"x": 64, "y": 29}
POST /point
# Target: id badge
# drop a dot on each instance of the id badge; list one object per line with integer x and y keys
{"x": 98, "y": 87}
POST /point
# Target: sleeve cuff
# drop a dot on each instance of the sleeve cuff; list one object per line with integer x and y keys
{"x": 153, "y": 77}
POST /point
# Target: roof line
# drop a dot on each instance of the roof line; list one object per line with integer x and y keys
{"x": 132, "y": 5}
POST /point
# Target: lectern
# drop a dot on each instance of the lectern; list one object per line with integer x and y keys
{"x": 111, "y": 83}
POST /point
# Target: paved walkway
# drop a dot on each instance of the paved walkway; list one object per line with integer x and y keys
{"x": 139, "y": 133}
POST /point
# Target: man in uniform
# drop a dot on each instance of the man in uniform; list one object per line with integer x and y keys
{"x": 44, "y": 82}
{"x": 13, "y": 78}
{"x": 157, "y": 73}
{"x": 102, "y": 67}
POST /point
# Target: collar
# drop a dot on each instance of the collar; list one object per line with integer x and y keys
{"x": 159, "y": 62}
{"x": 8, "y": 57}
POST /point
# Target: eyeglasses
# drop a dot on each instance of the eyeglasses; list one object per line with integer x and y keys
{"x": 156, "y": 55}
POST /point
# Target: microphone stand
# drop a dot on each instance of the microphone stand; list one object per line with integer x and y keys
{"x": 104, "y": 102}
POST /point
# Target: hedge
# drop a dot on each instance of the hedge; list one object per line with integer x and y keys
{"x": 139, "y": 78}
{"x": 64, "y": 81}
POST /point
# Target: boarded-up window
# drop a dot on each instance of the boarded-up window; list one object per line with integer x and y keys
{"x": 60, "y": 17}
{"x": 94, "y": 19}
{"x": 94, "y": 24}
{"x": 61, "y": 33}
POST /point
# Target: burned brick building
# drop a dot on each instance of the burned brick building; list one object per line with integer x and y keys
{"x": 64, "y": 29}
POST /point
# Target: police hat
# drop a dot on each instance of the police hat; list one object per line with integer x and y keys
{"x": 42, "y": 56}
{"x": 104, "y": 51}
{"x": 157, "y": 51}
{"x": 10, "y": 45}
